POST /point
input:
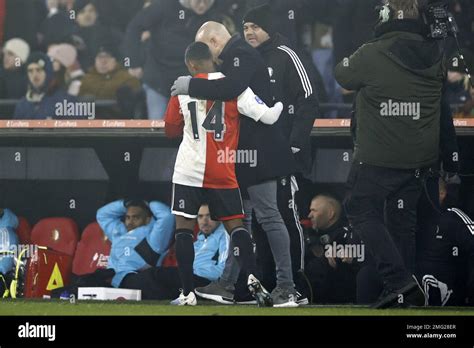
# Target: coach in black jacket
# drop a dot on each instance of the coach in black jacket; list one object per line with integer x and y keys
{"x": 292, "y": 83}
{"x": 244, "y": 67}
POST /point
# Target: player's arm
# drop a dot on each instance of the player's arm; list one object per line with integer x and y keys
{"x": 8, "y": 219}
{"x": 250, "y": 105}
{"x": 230, "y": 87}
{"x": 110, "y": 217}
{"x": 174, "y": 121}
{"x": 157, "y": 242}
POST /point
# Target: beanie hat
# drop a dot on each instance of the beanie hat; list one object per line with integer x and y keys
{"x": 19, "y": 48}
{"x": 262, "y": 16}
{"x": 80, "y": 4}
{"x": 65, "y": 54}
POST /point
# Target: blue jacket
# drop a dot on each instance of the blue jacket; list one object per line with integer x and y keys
{"x": 8, "y": 240}
{"x": 46, "y": 108}
{"x": 211, "y": 254}
{"x": 123, "y": 257}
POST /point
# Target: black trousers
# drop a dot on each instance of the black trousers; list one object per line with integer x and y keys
{"x": 382, "y": 208}
{"x": 158, "y": 283}
{"x": 286, "y": 199}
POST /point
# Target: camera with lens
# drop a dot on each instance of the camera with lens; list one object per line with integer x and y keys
{"x": 438, "y": 20}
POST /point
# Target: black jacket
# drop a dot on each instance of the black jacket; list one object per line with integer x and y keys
{"x": 292, "y": 84}
{"x": 173, "y": 27}
{"x": 244, "y": 67}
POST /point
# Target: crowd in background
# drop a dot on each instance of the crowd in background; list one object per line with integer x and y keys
{"x": 123, "y": 55}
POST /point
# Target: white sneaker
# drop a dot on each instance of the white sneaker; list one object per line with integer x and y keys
{"x": 182, "y": 300}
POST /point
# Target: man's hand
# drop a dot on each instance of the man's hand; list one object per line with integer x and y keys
{"x": 137, "y": 73}
{"x": 181, "y": 86}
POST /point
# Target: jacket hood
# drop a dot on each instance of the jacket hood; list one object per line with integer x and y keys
{"x": 408, "y": 47}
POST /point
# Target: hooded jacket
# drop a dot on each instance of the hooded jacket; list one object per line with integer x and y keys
{"x": 399, "y": 78}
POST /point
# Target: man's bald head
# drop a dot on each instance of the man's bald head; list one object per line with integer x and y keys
{"x": 215, "y": 35}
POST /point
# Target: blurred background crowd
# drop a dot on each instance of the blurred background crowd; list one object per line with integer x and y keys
{"x": 123, "y": 55}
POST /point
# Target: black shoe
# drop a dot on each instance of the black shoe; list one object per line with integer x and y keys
{"x": 410, "y": 295}
{"x": 261, "y": 295}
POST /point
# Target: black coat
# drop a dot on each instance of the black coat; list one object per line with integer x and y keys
{"x": 244, "y": 67}
{"x": 293, "y": 85}
{"x": 173, "y": 27}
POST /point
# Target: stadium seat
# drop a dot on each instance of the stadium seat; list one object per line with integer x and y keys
{"x": 92, "y": 252}
{"x": 24, "y": 231}
{"x": 59, "y": 234}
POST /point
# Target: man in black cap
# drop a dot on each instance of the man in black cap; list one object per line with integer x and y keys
{"x": 292, "y": 83}
{"x": 243, "y": 68}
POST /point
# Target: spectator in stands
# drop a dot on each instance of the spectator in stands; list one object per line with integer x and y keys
{"x": 8, "y": 243}
{"x": 445, "y": 261}
{"x": 333, "y": 253}
{"x": 108, "y": 80}
{"x": 44, "y": 91}
{"x": 91, "y": 33}
{"x": 58, "y": 26}
{"x": 67, "y": 68}
{"x": 13, "y": 80}
{"x": 140, "y": 234}
{"x": 458, "y": 86}
{"x": 172, "y": 25}
{"x": 22, "y": 20}
{"x": 211, "y": 250}
{"x": 118, "y": 13}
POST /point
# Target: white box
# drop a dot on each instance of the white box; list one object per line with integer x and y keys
{"x": 109, "y": 294}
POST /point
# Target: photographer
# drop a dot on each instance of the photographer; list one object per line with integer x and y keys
{"x": 398, "y": 77}
{"x": 333, "y": 254}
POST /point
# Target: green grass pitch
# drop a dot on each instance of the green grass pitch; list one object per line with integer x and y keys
{"x": 204, "y": 308}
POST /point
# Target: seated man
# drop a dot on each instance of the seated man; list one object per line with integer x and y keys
{"x": 332, "y": 253}
{"x": 44, "y": 93}
{"x": 211, "y": 249}
{"x": 8, "y": 243}
{"x": 140, "y": 235}
{"x": 108, "y": 80}
{"x": 445, "y": 256}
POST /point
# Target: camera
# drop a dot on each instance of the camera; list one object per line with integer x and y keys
{"x": 438, "y": 20}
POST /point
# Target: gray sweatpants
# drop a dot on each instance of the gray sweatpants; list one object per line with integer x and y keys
{"x": 263, "y": 201}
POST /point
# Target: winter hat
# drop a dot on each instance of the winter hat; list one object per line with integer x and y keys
{"x": 18, "y": 47}
{"x": 65, "y": 54}
{"x": 80, "y": 4}
{"x": 45, "y": 62}
{"x": 110, "y": 49}
{"x": 262, "y": 16}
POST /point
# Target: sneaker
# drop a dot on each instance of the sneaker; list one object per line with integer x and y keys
{"x": 301, "y": 299}
{"x": 216, "y": 292}
{"x": 284, "y": 298}
{"x": 413, "y": 295}
{"x": 182, "y": 300}
{"x": 261, "y": 295}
